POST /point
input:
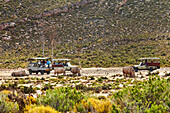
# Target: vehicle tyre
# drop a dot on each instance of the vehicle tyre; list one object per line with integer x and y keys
{"x": 37, "y": 72}
{"x": 136, "y": 69}
{"x": 48, "y": 72}
{"x": 151, "y": 69}
{"x": 42, "y": 72}
{"x": 30, "y": 72}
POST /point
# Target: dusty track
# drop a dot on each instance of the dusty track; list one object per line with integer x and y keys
{"x": 5, "y": 74}
{"x": 87, "y": 72}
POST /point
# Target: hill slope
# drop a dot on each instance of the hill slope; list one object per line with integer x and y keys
{"x": 107, "y": 33}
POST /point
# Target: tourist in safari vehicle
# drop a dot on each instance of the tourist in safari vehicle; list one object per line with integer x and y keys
{"x": 41, "y": 65}
{"x": 58, "y": 63}
{"x": 147, "y": 64}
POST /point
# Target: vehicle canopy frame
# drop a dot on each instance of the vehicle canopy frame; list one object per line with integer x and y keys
{"x": 67, "y": 65}
{"x": 38, "y": 58}
{"x": 148, "y": 64}
{"x": 36, "y": 67}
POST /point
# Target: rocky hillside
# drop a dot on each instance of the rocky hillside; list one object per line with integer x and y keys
{"x": 104, "y": 32}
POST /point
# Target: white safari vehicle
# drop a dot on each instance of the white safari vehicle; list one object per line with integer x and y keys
{"x": 147, "y": 64}
{"x": 39, "y": 65}
{"x": 58, "y": 63}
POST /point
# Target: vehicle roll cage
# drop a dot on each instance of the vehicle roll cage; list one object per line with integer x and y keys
{"x": 38, "y": 58}
{"x": 61, "y": 59}
{"x": 147, "y": 63}
{"x": 149, "y": 59}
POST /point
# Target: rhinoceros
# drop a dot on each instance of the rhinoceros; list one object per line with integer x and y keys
{"x": 59, "y": 71}
{"x": 75, "y": 70}
{"x": 19, "y": 74}
{"x": 129, "y": 71}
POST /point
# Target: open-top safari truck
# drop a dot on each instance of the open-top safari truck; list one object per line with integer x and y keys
{"x": 147, "y": 64}
{"x": 39, "y": 65}
{"x": 58, "y": 63}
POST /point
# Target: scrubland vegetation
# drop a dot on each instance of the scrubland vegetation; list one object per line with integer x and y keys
{"x": 149, "y": 95}
{"x": 104, "y": 33}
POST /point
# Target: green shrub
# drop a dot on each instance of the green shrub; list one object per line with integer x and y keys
{"x": 26, "y": 89}
{"x": 92, "y": 78}
{"x": 40, "y": 109}
{"x": 62, "y": 99}
{"x": 95, "y": 105}
{"x": 147, "y": 96}
{"x": 6, "y": 106}
{"x": 103, "y": 77}
{"x": 99, "y": 80}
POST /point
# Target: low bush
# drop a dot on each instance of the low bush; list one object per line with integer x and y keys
{"x": 31, "y": 100}
{"x": 6, "y": 106}
{"x": 40, "y": 109}
{"x": 149, "y": 96}
{"x": 92, "y": 78}
{"x": 26, "y": 89}
{"x": 104, "y": 78}
{"x": 95, "y": 106}
{"x": 62, "y": 99}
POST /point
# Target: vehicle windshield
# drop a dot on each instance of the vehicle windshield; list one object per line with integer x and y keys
{"x": 140, "y": 63}
{"x": 63, "y": 62}
{"x": 29, "y": 65}
{"x": 68, "y": 63}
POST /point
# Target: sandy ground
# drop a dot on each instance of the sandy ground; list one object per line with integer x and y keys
{"x": 5, "y": 74}
{"x": 88, "y": 72}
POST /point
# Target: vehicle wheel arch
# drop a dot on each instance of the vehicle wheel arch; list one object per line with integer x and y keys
{"x": 30, "y": 71}
{"x": 42, "y": 72}
{"x": 151, "y": 69}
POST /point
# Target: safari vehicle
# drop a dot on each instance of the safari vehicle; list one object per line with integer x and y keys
{"x": 58, "y": 63}
{"x": 36, "y": 66}
{"x": 147, "y": 64}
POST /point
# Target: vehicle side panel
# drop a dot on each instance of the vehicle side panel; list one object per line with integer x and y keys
{"x": 153, "y": 64}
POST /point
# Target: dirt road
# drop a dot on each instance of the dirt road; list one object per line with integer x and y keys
{"x": 88, "y": 72}
{"x": 5, "y": 75}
